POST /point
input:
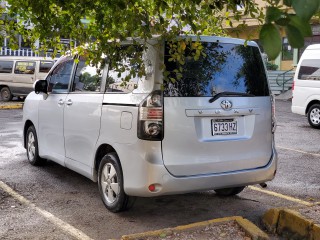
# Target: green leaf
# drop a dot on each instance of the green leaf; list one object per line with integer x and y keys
{"x": 295, "y": 37}
{"x": 273, "y": 14}
{"x": 173, "y": 80}
{"x": 271, "y": 40}
{"x": 304, "y": 27}
{"x": 305, "y": 9}
{"x": 284, "y": 21}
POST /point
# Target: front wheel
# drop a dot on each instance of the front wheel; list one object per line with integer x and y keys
{"x": 6, "y": 94}
{"x": 110, "y": 183}
{"x": 229, "y": 191}
{"x": 314, "y": 116}
{"x": 32, "y": 147}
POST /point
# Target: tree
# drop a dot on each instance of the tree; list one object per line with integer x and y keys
{"x": 294, "y": 17}
{"x": 103, "y": 23}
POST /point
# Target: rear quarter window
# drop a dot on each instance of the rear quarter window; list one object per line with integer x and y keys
{"x": 116, "y": 81}
{"x": 123, "y": 71}
{"x": 224, "y": 67}
{"x": 309, "y": 69}
{"x": 6, "y": 66}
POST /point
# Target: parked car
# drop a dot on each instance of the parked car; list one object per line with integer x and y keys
{"x": 18, "y": 74}
{"x": 211, "y": 130}
{"x": 306, "y": 86}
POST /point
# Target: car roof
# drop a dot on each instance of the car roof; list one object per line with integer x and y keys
{"x": 313, "y": 47}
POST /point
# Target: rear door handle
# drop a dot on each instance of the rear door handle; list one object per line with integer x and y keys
{"x": 61, "y": 102}
{"x": 69, "y": 102}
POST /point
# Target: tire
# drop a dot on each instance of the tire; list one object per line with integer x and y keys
{"x": 32, "y": 147}
{"x": 314, "y": 116}
{"x": 110, "y": 184}
{"x": 6, "y": 94}
{"x": 229, "y": 191}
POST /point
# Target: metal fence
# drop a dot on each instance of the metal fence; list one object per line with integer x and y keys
{"x": 27, "y": 52}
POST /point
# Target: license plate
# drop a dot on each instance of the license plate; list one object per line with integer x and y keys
{"x": 224, "y": 126}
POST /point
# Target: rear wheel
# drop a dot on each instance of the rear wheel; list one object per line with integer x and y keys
{"x": 32, "y": 147}
{"x": 314, "y": 116}
{"x": 229, "y": 191}
{"x": 110, "y": 183}
{"x": 6, "y": 94}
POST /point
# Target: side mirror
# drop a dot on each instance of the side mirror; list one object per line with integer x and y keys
{"x": 41, "y": 86}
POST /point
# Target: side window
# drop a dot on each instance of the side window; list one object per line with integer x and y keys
{"x": 309, "y": 70}
{"x": 45, "y": 66}
{"x": 115, "y": 79}
{"x": 87, "y": 78}
{"x": 60, "y": 76}
{"x": 6, "y": 66}
{"x": 25, "y": 67}
{"x": 123, "y": 72}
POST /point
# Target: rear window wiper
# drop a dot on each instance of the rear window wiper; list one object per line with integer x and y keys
{"x": 232, "y": 94}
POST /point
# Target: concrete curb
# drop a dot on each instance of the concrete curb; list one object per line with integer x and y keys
{"x": 290, "y": 224}
{"x": 252, "y": 230}
{"x": 12, "y": 106}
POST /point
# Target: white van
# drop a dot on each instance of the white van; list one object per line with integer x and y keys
{"x": 18, "y": 74}
{"x": 211, "y": 130}
{"x": 306, "y": 86}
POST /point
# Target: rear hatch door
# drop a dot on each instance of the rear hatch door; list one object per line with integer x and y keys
{"x": 217, "y": 118}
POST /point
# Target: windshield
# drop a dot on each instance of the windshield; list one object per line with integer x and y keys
{"x": 225, "y": 67}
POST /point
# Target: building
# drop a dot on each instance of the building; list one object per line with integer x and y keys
{"x": 289, "y": 57}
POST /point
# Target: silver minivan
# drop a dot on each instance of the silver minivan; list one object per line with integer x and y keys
{"x": 211, "y": 130}
{"x": 18, "y": 74}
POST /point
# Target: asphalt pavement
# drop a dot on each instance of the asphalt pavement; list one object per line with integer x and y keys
{"x": 55, "y": 203}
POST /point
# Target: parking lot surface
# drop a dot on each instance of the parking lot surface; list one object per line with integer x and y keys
{"x": 61, "y": 204}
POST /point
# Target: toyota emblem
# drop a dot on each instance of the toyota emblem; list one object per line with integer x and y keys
{"x": 226, "y": 104}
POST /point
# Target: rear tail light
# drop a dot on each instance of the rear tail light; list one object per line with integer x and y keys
{"x": 150, "y": 122}
{"x": 274, "y": 123}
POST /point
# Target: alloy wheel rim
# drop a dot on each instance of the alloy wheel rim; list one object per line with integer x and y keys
{"x": 109, "y": 183}
{"x": 315, "y": 116}
{"x": 31, "y": 146}
{"x": 5, "y": 94}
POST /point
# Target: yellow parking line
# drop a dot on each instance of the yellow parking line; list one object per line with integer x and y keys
{"x": 279, "y": 195}
{"x": 49, "y": 216}
{"x": 290, "y": 149}
{"x": 13, "y": 106}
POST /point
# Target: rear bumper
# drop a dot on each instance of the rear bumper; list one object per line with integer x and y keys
{"x": 166, "y": 184}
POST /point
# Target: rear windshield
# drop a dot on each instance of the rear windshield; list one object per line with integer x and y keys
{"x": 224, "y": 68}
{"x": 309, "y": 69}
